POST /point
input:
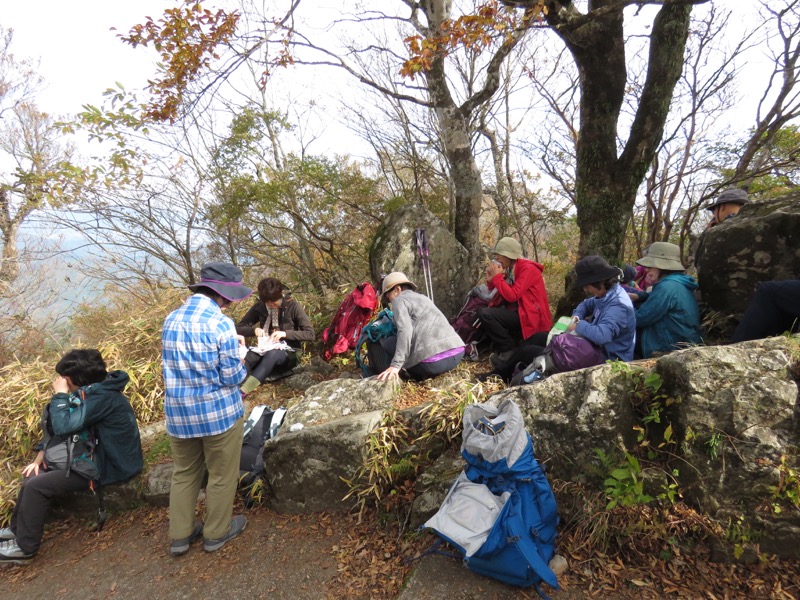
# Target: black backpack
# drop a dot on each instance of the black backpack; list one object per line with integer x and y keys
{"x": 262, "y": 425}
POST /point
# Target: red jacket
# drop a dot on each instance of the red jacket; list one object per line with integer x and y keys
{"x": 529, "y": 294}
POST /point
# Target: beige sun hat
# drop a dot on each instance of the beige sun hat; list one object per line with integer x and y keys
{"x": 394, "y": 279}
{"x": 664, "y": 256}
{"x": 508, "y": 247}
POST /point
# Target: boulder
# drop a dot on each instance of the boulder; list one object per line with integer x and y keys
{"x": 761, "y": 243}
{"x": 734, "y": 419}
{"x": 339, "y": 398}
{"x": 118, "y": 497}
{"x": 305, "y": 469}
{"x": 156, "y": 484}
{"x": 733, "y": 412}
{"x": 394, "y": 248}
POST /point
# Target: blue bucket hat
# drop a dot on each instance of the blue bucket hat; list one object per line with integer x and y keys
{"x": 225, "y": 279}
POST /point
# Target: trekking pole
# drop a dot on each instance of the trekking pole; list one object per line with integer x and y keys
{"x": 420, "y": 238}
{"x": 427, "y": 262}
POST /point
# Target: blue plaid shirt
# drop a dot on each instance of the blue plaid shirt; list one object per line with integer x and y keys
{"x": 202, "y": 370}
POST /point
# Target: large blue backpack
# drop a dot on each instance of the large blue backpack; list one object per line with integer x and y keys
{"x": 500, "y": 514}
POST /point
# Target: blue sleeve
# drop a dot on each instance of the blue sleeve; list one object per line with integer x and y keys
{"x": 231, "y": 368}
{"x": 607, "y": 328}
{"x": 584, "y": 308}
{"x": 658, "y": 303}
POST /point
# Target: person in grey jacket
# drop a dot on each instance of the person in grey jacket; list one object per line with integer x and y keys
{"x": 427, "y": 345}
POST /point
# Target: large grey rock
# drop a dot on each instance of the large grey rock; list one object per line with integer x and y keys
{"x": 118, "y": 497}
{"x": 156, "y": 484}
{"x": 733, "y": 412}
{"x": 570, "y": 415}
{"x": 761, "y": 243}
{"x": 394, "y": 248}
{"x": 733, "y": 419}
{"x": 305, "y": 469}
{"x": 339, "y": 398}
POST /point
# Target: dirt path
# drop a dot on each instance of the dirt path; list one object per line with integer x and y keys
{"x": 129, "y": 559}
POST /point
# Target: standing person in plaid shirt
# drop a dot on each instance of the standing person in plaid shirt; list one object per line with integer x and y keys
{"x": 203, "y": 407}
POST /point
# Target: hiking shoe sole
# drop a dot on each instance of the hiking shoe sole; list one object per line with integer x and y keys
{"x": 179, "y": 547}
{"x": 12, "y": 554}
{"x": 238, "y": 524}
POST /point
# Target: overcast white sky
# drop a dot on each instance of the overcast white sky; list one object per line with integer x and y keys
{"x": 79, "y": 56}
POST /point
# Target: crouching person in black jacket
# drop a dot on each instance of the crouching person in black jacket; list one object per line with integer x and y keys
{"x": 90, "y": 439}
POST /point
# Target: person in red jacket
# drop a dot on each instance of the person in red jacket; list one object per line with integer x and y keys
{"x": 525, "y": 310}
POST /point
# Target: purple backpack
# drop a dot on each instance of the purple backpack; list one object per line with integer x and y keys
{"x": 571, "y": 352}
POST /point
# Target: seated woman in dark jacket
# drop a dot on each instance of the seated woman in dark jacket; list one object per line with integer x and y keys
{"x": 86, "y": 397}
{"x": 274, "y": 318}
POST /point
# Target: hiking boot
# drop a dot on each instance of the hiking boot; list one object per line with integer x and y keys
{"x": 179, "y": 547}
{"x": 499, "y": 359}
{"x": 7, "y": 534}
{"x": 238, "y": 523}
{"x": 10, "y": 553}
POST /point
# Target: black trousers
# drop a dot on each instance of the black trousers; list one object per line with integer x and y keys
{"x": 529, "y": 349}
{"x": 33, "y": 503}
{"x": 380, "y": 354}
{"x": 262, "y": 367}
{"x": 502, "y": 327}
{"x": 774, "y": 309}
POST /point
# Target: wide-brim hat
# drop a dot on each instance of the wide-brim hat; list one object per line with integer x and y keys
{"x": 591, "y": 269}
{"x": 392, "y": 280}
{"x": 664, "y": 256}
{"x": 508, "y": 247}
{"x": 224, "y": 278}
{"x": 734, "y": 196}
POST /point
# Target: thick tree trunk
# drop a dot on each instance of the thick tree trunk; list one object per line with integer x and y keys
{"x": 607, "y": 182}
{"x": 467, "y": 184}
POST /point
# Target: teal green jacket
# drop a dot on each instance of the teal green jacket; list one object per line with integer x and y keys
{"x": 103, "y": 407}
{"x": 668, "y": 315}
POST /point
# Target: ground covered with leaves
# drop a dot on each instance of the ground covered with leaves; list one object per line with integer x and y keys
{"x": 645, "y": 551}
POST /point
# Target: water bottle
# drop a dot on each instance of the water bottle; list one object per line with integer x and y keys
{"x": 532, "y": 376}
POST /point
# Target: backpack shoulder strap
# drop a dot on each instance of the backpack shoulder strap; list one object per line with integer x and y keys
{"x": 277, "y": 421}
{"x": 255, "y": 415}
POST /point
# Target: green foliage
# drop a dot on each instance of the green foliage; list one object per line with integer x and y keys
{"x": 625, "y": 486}
{"x": 741, "y": 535}
{"x": 157, "y": 449}
{"x": 379, "y": 475}
{"x": 296, "y": 213}
{"x": 787, "y": 491}
{"x": 712, "y": 445}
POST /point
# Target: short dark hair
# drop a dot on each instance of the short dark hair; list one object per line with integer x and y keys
{"x": 221, "y": 300}
{"x": 84, "y": 366}
{"x": 605, "y": 283}
{"x": 270, "y": 290}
